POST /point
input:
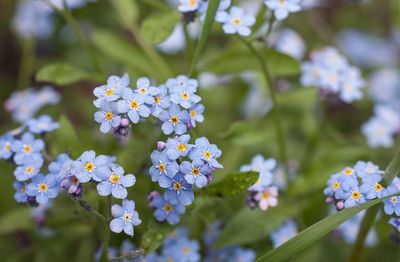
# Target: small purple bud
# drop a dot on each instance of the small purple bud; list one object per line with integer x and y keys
{"x": 124, "y": 122}
{"x": 151, "y": 198}
{"x": 32, "y": 201}
{"x": 188, "y": 125}
{"x": 329, "y": 200}
{"x": 160, "y": 145}
{"x": 210, "y": 178}
{"x": 339, "y": 205}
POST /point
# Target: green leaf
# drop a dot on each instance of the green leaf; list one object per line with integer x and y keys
{"x": 122, "y": 51}
{"x": 62, "y": 74}
{"x": 232, "y": 184}
{"x": 259, "y": 224}
{"x": 393, "y": 169}
{"x": 127, "y": 11}
{"x": 315, "y": 232}
{"x": 280, "y": 64}
{"x": 16, "y": 219}
{"x": 154, "y": 235}
{"x": 156, "y": 28}
{"x": 205, "y": 31}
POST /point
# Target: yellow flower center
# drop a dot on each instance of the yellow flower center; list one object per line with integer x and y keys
{"x": 42, "y": 187}
{"x": 207, "y": 154}
{"x": 378, "y": 187}
{"x": 355, "y": 195}
{"x": 336, "y": 185}
{"x": 27, "y": 149}
{"x": 162, "y": 167}
{"x": 134, "y": 104}
{"x": 193, "y": 113}
{"x": 236, "y": 21}
{"x": 89, "y": 166}
{"x": 181, "y": 147}
{"x": 114, "y": 178}
{"x": 348, "y": 171}
{"x": 185, "y": 250}
{"x": 195, "y": 171}
{"x": 75, "y": 180}
{"x": 185, "y": 96}
{"x": 23, "y": 189}
{"x": 109, "y": 116}
{"x": 143, "y": 90}
{"x": 7, "y": 147}
{"x": 110, "y": 92}
{"x": 174, "y": 119}
{"x": 265, "y": 195}
{"x": 169, "y": 260}
{"x": 29, "y": 170}
{"x": 168, "y": 208}
{"x": 177, "y": 186}
{"x": 192, "y": 3}
{"x": 157, "y": 100}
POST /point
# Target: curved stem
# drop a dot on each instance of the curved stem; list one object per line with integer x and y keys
{"x": 74, "y": 26}
{"x": 275, "y": 110}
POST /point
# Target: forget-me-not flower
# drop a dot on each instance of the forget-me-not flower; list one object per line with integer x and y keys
{"x": 207, "y": 152}
{"x": 20, "y": 192}
{"x": 285, "y": 232}
{"x": 167, "y": 211}
{"x": 133, "y": 104}
{"x": 178, "y": 147}
{"x": 174, "y": 120}
{"x": 196, "y": 172}
{"x": 5, "y": 146}
{"x": 108, "y": 116}
{"x": 125, "y": 217}
{"x": 177, "y": 189}
{"x": 43, "y": 188}
{"x": 43, "y": 124}
{"x": 196, "y": 114}
{"x": 162, "y": 166}
{"x": 29, "y": 168}
{"x": 161, "y": 101}
{"x": 238, "y": 22}
{"x": 112, "y": 90}
{"x": 27, "y": 148}
{"x": 145, "y": 89}
{"x": 114, "y": 182}
{"x": 87, "y": 166}
{"x": 282, "y": 8}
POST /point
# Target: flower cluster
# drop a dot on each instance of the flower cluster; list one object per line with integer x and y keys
{"x": 177, "y": 167}
{"x": 265, "y": 190}
{"x": 356, "y": 185}
{"x": 331, "y": 72}
{"x": 23, "y": 105}
{"x": 174, "y": 103}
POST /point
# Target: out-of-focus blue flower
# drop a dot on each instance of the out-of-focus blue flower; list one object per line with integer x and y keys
{"x": 20, "y": 192}
{"x": 114, "y": 182}
{"x": 196, "y": 114}
{"x": 145, "y": 89}
{"x": 87, "y": 166}
{"x": 162, "y": 166}
{"x": 262, "y": 166}
{"x": 42, "y": 124}
{"x": 161, "y": 101}
{"x": 178, "y": 147}
{"x": 289, "y": 42}
{"x": 125, "y": 217}
{"x": 177, "y": 189}
{"x": 167, "y": 211}
{"x": 112, "y": 90}
{"x": 207, "y": 152}
{"x": 282, "y": 8}
{"x": 183, "y": 250}
{"x": 133, "y": 104}
{"x": 26, "y": 149}
{"x": 243, "y": 255}
{"x": 368, "y": 171}
{"x": 384, "y": 86}
{"x": 5, "y": 146}
{"x": 196, "y": 172}
{"x": 43, "y": 188}
{"x": 211, "y": 233}
{"x": 395, "y": 222}
{"x": 377, "y": 133}
{"x": 237, "y": 22}
{"x": 285, "y": 232}
{"x": 108, "y": 116}
{"x": 30, "y": 168}
{"x": 174, "y": 120}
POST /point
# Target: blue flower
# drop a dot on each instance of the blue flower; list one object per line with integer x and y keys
{"x": 196, "y": 114}
{"x": 282, "y": 8}
{"x": 211, "y": 233}
{"x": 29, "y": 169}
{"x": 162, "y": 166}
{"x": 392, "y": 204}
{"x": 181, "y": 81}
{"x": 107, "y": 116}
{"x": 177, "y": 189}
{"x": 112, "y": 91}
{"x": 353, "y": 197}
{"x": 62, "y": 167}
{"x": 237, "y": 22}
{"x": 87, "y": 166}
{"x": 243, "y": 255}
{"x": 41, "y": 125}
{"x": 184, "y": 96}
{"x": 206, "y": 152}
{"x": 378, "y": 133}
{"x": 5, "y": 146}
{"x": 114, "y": 182}
{"x": 125, "y": 217}
{"x": 183, "y": 250}
{"x": 160, "y": 101}
{"x": 178, "y": 146}
{"x": 196, "y": 173}
{"x": 188, "y": 5}
{"x": 27, "y": 148}
{"x": 264, "y": 167}
{"x": 368, "y": 171}
{"x": 20, "y": 192}
{"x": 395, "y": 222}
{"x": 167, "y": 211}
{"x": 133, "y": 104}
{"x": 285, "y": 232}
{"x": 174, "y": 120}
{"x": 43, "y": 188}
{"x": 371, "y": 189}
{"x": 335, "y": 188}
{"x": 145, "y": 89}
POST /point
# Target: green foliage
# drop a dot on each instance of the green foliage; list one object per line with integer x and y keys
{"x": 154, "y": 235}
{"x": 62, "y": 74}
{"x": 16, "y": 220}
{"x": 127, "y": 11}
{"x": 232, "y": 184}
{"x": 65, "y": 139}
{"x": 156, "y": 28}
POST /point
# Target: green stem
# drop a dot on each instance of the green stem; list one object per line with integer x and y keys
{"x": 75, "y": 27}
{"x": 366, "y": 224}
{"x": 189, "y": 43}
{"x": 27, "y": 63}
{"x": 275, "y": 110}
{"x": 104, "y": 256}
